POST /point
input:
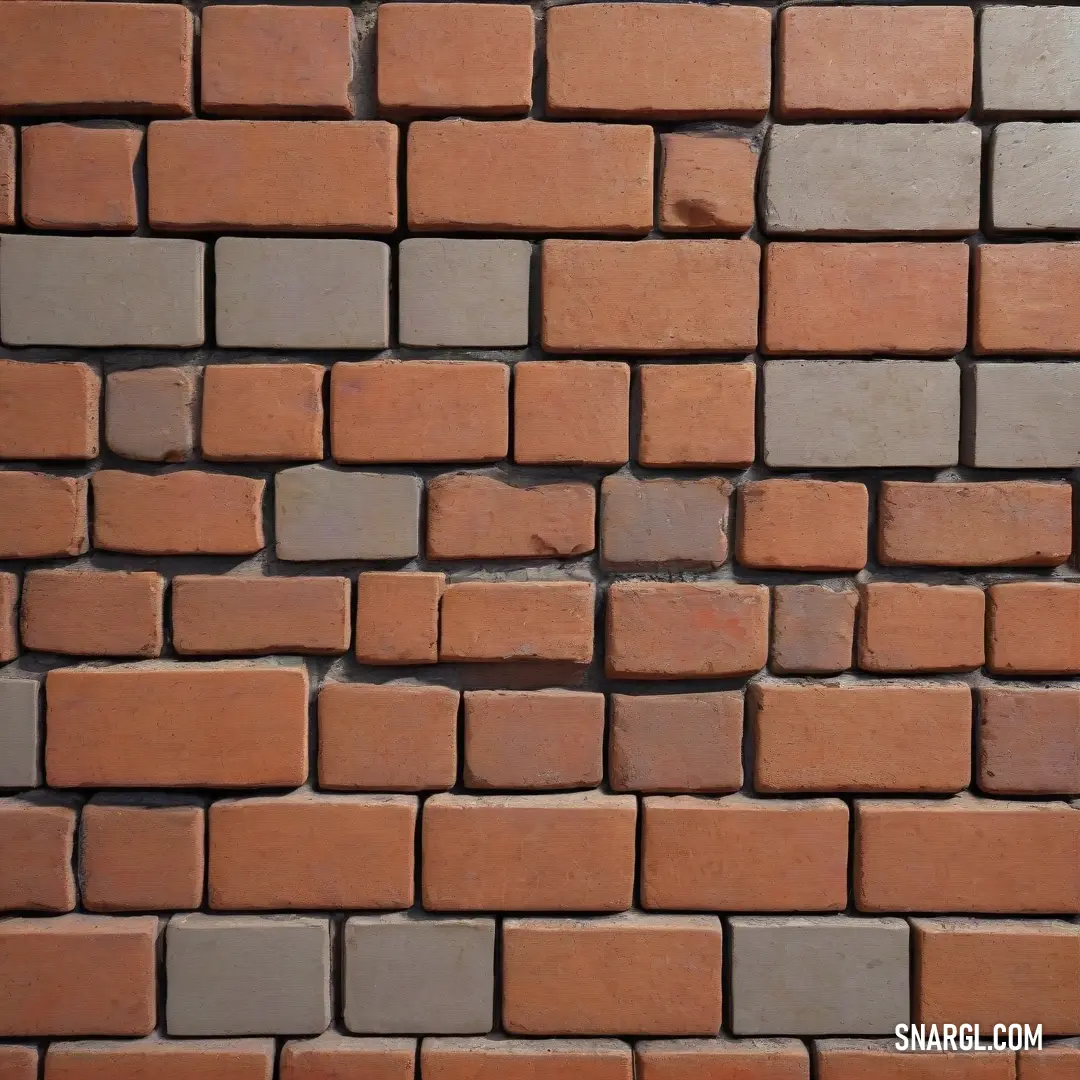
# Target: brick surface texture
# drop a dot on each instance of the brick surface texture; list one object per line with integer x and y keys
{"x": 537, "y": 539}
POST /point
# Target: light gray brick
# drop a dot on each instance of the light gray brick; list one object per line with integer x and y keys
{"x": 843, "y": 179}
{"x": 148, "y": 413}
{"x": 1030, "y": 60}
{"x": 101, "y": 291}
{"x": 464, "y": 292}
{"x": 825, "y": 975}
{"x": 302, "y": 294}
{"x": 413, "y": 974}
{"x": 1022, "y": 416}
{"x": 19, "y": 725}
{"x": 323, "y": 513}
{"x": 247, "y": 975}
{"x": 833, "y": 414}
{"x": 1033, "y": 175}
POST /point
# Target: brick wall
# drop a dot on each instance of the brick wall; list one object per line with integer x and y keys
{"x": 537, "y": 543}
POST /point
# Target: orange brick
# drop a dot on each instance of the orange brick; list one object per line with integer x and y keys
{"x": 722, "y": 1059}
{"x": 388, "y": 411}
{"x": 1027, "y": 299}
{"x": 267, "y": 60}
{"x": 387, "y": 738}
{"x": 48, "y": 411}
{"x": 337, "y": 1057}
{"x": 967, "y": 855}
{"x": 1005, "y": 523}
{"x": 529, "y": 176}
{"x": 455, "y": 58}
{"x": 250, "y": 616}
{"x": 875, "y": 62}
{"x": 9, "y": 628}
{"x": 494, "y": 1058}
{"x": 861, "y": 737}
{"x": 111, "y": 59}
{"x": 695, "y": 415}
{"x": 41, "y": 516}
{"x": 673, "y": 62}
{"x": 178, "y": 513}
{"x": 80, "y": 178}
{"x": 140, "y": 854}
{"x": 571, "y": 412}
{"x": 968, "y": 971}
{"x": 684, "y": 296}
{"x": 18, "y": 1062}
{"x": 707, "y": 184}
{"x": 273, "y": 176}
{"x": 299, "y": 851}
{"x": 865, "y": 299}
{"x": 802, "y": 525}
{"x": 262, "y": 412}
{"x": 7, "y": 183}
{"x": 740, "y": 854}
{"x": 177, "y": 725}
{"x": 1059, "y": 1061}
{"x": 635, "y": 974}
{"x": 37, "y": 836}
{"x": 686, "y": 631}
{"x": 473, "y": 516}
{"x": 397, "y": 617}
{"x": 529, "y": 852}
{"x": 538, "y": 740}
{"x": 842, "y": 1059}
{"x": 77, "y": 975}
{"x": 163, "y": 1059}
{"x": 1033, "y": 628}
{"x": 910, "y": 627}
{"x": 518, "y": 620}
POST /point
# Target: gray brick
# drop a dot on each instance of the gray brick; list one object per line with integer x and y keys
{"x": 1033, "y": 175}
{"x": 247, "y": 975}
{"x": 1030, "y": 60}
{"x": 669, "y": 524}
{"x": 413, "y": 974}
{"x": 302, "y": 294}
{"x": 843, "y": 179}
{"x": 1022, "y": 416}
{"x": 833, "y": 414}
{"x": 323, "y": 513}
{"x": 101, "y": 291}
{"x": 464, "y": 292}
{"x": 825, "y": 975}
{"x": 148, "y": 413}
{"x": 813, "y": 629}
{"x": 19, "y": 724}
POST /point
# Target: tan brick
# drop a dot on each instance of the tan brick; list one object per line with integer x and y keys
{"x": 37, "y": 836}
{"x": 149, "y": 413}
{"x": 813, "y": 629}
{"x": 397, "y": 617}
{"x": 707, "y": 184}
{"x": 41, "y": 516}
{"x": 48, "y": 411}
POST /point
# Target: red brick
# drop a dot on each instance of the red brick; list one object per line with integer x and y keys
{"x": 397, "y": 617}
{"x": 37, "y": 837}
{"x": 266, "y": 60}
{"x": 683, "y": 296}
{"x": 7, "y": 178}
{"x": 1052, "y": 1062}
{"x": 178, "y": 513}
{"x": 338, "y": 1057}
{"x": 813, "y": 629}
{"x": 707, "y": 184}
{"x": 77, "y": 975}
{"x": 866, "y": 737}
{"x": 529, "y": 176}
{"x": 529, "y": 852}
{"x": 41, "y": 516}
{"x": 686, "y": 631}
{"x": 250, "y": 616}
{"x": 162, "y": 1059}
{"x": 262, "y": 412}
{"x": 393, "y": 412}
{"x": 387, "y": 738}
{"x": 518, "y": 620}
{"x": 855, "y": 1060}
{"x": 967, "y": 855}
{"x": 455, "y": 58}
{"x": 634, "y": 974}
{"x": 273, "y": 176}
{"x": 143, "y": 855}
{"x": 113, "y": 59}
{"x": 802, "y": 525}
{"x": 1033, "y": 628}
{"x": 300, "y": 850}
{"x": 875, "y": 62}
{"x": 740, "y": 854}
{"x": 473, "y": 516}
{"x": 494, "y": 1058}
{"x": 18, "y": 1062}
{"x": 571, "y": 412}
{"x": 722, "y": 1059}
{"x": 9, "y": 625}
{"x": 80, "y": 178}
{"x": 695, "y": 415}
{"x": 177, "y": 725}
{"x": 672, "y": 62}
{"x": 865, "y": 299}
{"x": 48, "y": 411}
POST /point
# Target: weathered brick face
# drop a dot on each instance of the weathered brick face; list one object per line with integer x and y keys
{"x": 537, "y": 539}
